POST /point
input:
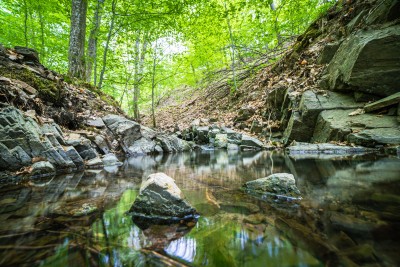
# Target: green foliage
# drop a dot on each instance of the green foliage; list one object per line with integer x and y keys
{"x": 193, "y": 37}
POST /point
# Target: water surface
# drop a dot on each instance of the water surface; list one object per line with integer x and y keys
{"x": 349, "y": 214}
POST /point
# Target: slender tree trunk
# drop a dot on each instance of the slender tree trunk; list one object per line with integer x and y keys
{"x": 92, "y": 45}
{"x": 232, "y": 47}
{"x": 153, "y": 85}
{"x": 76, "y": 53}
{"x": 26, "y": 23}
{"x": 103, "y": 69}
{"x": 139, "y": 74}
{"x": 41, "y": 21}
{"x": 193, "y": 71}
{"x": 136, "y": 78}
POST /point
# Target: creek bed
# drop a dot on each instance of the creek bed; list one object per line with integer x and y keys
{"x": 349, "y": 214}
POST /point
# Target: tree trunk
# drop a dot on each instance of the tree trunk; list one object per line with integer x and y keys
{"x": 76, "y": 53}
{"x": 139, "y": 74}
{"x": 92, "y": 45}
{"x": 136, "y": 78}
{"x": 26, "y": 23}
{"x": 41, "y": 21}
{"x": 153, "y": 85}
{"x": 103, "y": 69}
{"x": 232, "y": 48}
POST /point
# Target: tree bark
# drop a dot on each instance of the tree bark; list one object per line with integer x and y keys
{"x": 232, "y": 47}
{"x": 41, "y": 21}
{"x": 139, "y": 74}
{"x": 26, "y": 23}
{"x": 76, "y": 53}
{"x": 103, "y": 69}
{"x": 153, "y": 85}
{"x": 135, "y": 78}
{"x": 92, "y": 45}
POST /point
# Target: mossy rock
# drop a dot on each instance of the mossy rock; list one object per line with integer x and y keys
{"x": 48, "y": 90}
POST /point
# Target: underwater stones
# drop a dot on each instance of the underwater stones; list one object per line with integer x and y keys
{"x": 43, "y": 168}
{"x": 161, "y": 201}
{"x": 305, "y": 150}
{"x": 110, "y": 160}
{"x": 280, "y": 184}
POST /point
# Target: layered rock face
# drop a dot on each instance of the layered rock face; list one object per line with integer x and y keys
{"x": 24, "y": 141}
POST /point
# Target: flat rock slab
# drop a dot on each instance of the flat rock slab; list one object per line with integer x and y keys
{"x": 96, "y": 122}
{"x": 373, "y": 137}
{"x": 311, "y": 104}
{"x": 326, "y": 148}
{"x": 387, "y": 101}
{"x": 161, "y": 201}
{"x": 337, "y": 125}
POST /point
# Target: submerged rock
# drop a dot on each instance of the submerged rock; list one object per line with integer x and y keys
{"x": 111, "y": 160}
{"x": 43, "y": 168}
{"x": 313, "y": 150}
{"x": 280, "y": 184}
{"x": 160, "y": 201}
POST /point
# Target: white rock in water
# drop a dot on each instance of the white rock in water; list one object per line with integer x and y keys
{"x": 160, "y": 198}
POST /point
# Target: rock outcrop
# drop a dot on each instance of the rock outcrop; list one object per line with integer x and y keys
{"x": 22, "y": 140}
{"x": 136, "y": 139}
{"x": 161, "y": 201}
{"x": 361, "y": 66}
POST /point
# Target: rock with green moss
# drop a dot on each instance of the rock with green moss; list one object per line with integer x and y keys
{"x": 279, "y": 184}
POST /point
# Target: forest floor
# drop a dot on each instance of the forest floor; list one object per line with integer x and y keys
{"x": 216, "y": 102}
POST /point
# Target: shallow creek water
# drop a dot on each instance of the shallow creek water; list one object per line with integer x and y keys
{"x": 349, "y": 214}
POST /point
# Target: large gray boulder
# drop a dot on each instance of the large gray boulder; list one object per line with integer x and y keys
{"x": 367, "y": 61}
{"x": 160, "y": 200}
{"x": 280, "y": 184}
{"x": 126, "y": 131}
{"x": 251, "y": 143}
{"x": 301, "y": 123}
{"x": 171, "y": 143}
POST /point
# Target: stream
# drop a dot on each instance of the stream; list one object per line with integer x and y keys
{"x": 349, "y": 214}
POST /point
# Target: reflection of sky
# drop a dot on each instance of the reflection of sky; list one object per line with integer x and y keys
{"x": 135, "y": 235}
{"x": 183, "y": 248}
